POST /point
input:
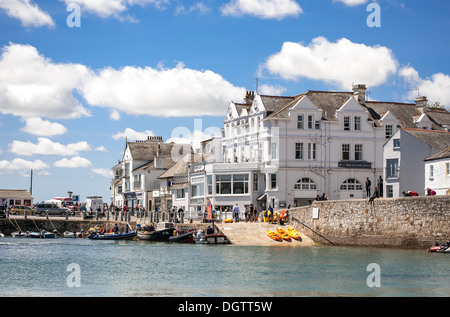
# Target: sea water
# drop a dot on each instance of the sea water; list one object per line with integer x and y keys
{"x": 49, "y": 267}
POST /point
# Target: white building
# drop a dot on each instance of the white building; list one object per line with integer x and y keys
{"x": 404, "y": 154}
{"x": 136, "y": 179}
{"x": 437, "y": 172}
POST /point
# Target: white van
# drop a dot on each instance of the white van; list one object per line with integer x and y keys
{"x": 94, "y": 202}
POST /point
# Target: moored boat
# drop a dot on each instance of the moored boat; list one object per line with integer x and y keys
{"x": 19, "y": 234}
{"x": 72, "y": 234}
{"x": 216, "y": 238}
{"x": 112, "y": 236}
{"x": 186, "y": 237}
{"x": 163, "y": 232}
{"x": 42, "y": 235}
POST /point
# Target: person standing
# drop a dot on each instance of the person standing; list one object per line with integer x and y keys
{"x": 368, "y": 184}
{"x": 236, "y": 213}
{"x": 380, "y": 186}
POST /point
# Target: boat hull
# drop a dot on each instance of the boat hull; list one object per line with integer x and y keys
{"x": 216, "y": 239}
{"x": 183, "y": 238}
{"x": 121, "y": 236}
{"x": 157, "y": 235}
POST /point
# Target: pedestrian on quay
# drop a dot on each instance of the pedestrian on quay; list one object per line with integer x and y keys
{"x": 236, "y": 213}
{"x": 368, "y": 184}
{"x": 380, "y": 186}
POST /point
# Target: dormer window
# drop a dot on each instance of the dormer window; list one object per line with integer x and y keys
{"x": 388, "y": 131}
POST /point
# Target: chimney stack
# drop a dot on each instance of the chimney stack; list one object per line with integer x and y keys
{"x": 249, "y": 96}
{"x": 359, "y": 92}
{"x": 421, "y": 104}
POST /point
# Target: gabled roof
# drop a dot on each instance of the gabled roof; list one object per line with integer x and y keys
{"x": 443, "y": 154}
{"x": 146, "y": 151}
{"x": 436, "y": 139}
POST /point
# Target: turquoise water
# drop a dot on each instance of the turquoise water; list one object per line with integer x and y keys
{"x": 136, "y": 268}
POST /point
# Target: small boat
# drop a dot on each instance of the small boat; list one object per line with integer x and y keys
{"x": 274, "y": 235}
{"x": 163, "y": 232}
{"x": 19, "y": 234}
{"x": 216, "y": 238}
{"x": 228, "y": 220}
{"x": 186, "y": 237}
{"x": 199, "y": 238}
{"x": 438, "y": 248}
{"x": 293, "y": 233}
{"x": 283, "y": 234}
{"x": 73, "y": 234}
{"x": 42, "y": 235}
{"x": 109, "y": 236}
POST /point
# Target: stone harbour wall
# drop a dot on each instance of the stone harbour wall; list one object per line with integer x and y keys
{"x": 412, "y": 222}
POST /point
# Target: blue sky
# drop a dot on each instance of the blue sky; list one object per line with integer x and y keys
{"x": 69, "y": 95}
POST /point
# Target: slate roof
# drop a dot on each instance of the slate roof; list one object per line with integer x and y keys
{"x": 437, "y": 139}
{"x": 443, "y": 154}
{"x": 330, "y": 101}
{"x": 12, "y": 193}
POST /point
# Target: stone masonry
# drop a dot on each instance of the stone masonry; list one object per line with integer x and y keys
{"x": 414, "y": 222}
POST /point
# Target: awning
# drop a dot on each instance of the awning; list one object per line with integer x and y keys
{"x": 262, "y": 197}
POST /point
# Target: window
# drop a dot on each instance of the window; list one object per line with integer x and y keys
{"x": 351, "y": 184}
{"x": 198, "y": 186}
{"x": 255, "y": 182}
{"x": 232, "y": 184}
{"x": 305, "y": 184}
{"x": 391, "y": 168}
{"x": 388, "y": 131}
{"x": 300, "y": 122}
{"x": 317, "y": 125}
{"x": 396, "y": 143}
{"x": 447, "y": 169}
{"x": 390, "y": 191}
{"x": 346, "y": 123}
{"x": 345, "y": 152}
{"x": 299, "y": 151}
{"x": 273, "y": 150}
{"x": 310, "y": 122}
{"x": 358, "y": 152}
{"x": 240, "y": 184}
{"x": 431, "y": 171}
{"x": 137, "y": 181}
{"x": 273, "y": 181}
{"x": 180, "y": 193}
{"x": 357, "y": 123}
{"x": 311, "y": 151}
{"x": 210, "y": 184}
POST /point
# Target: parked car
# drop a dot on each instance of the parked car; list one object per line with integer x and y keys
{"x": 20, "y": 210}
{"x": 44, "y": 208}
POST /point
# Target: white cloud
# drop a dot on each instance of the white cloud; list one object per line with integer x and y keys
{"x": 172, "y": 92}
{"x": 29, "y": 14}
{"x": 352, "y": 2}
{"x": 265, "y": 9}
{"x": 197, "y": 7}
{"x": 21, "y": 165}
{"x": 103, "y": 172}
{"x": 131, "y": 134}
{"x": 341, "y": 63}
{"x": 74, "y": 162}
{"x": 101, "y": 149}
{"x": 37, "y": 126}
{"x": 271, "y": 90}
{"x": 113, "y": 8}
{"x": 47, "y": 147}
{"x": 32, "y": 85}
{"x": 435, "y": 88}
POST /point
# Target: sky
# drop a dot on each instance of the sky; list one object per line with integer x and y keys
{"x": 78, "y": 77}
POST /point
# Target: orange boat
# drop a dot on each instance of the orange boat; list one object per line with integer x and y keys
{"x": 283, "y": 234}
{"x": 273, "y": 235}
{"x": 293, "y": 233}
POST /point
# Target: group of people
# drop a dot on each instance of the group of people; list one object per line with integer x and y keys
{"x": 250, "y": 213}
{"x": 323, "y": 197}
